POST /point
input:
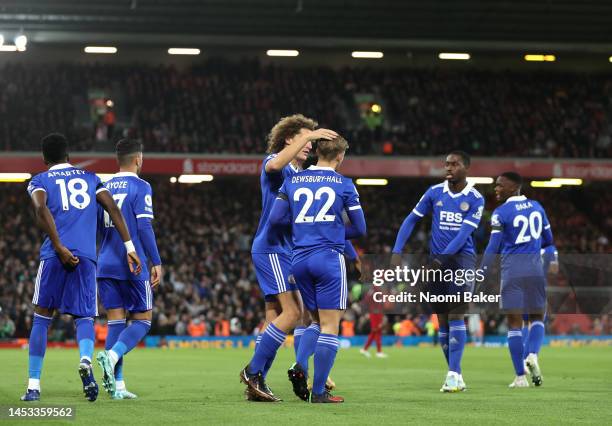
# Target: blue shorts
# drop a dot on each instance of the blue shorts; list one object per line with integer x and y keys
{"x": 71, "y": 291}
{"x": 273, "y": 271}
{"x": 131, "y": 295}
{"x": 524, "y": 294}
{"x": 454, "y": 266}
{"x": 321, "y": 278}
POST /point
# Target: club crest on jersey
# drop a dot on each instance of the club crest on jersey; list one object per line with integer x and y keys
{"x": 439, "y": 204}
{"x": 464, "y": 206}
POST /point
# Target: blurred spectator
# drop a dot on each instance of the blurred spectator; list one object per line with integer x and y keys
{"x": 196, "y": 327}
{"x": 7, "y": 326}
{"x": 219, "y": 106}
{"x": 101, "y": 330}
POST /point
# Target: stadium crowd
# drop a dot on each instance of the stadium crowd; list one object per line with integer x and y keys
{"x": 209, "y": 288}
{"x": 221, "y": 106}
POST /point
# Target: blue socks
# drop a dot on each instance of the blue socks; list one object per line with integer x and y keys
{"x": 536, "y": 337}
{"x": 324, "y": 357}
{"x": 525, "y": 338}
{"x": 85, "y": 337}
{"x": 265, "y": 351}
{"x": 515, "y": 345}
{"x": 115, "y": 327}
{"x": 37, "y": 346}
{"x": 129, "y": 338}
{"x": 456, "y": 343}
{"x": 443, "y": 337}
{"x": 308, "y": 344}
{"x": 297, "y": 337}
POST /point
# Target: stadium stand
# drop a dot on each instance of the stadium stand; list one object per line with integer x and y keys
{"x": 222, "y": 106}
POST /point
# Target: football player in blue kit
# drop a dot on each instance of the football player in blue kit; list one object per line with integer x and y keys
{"x": 65, "y": 202}
{"x": 456, "y": 208}
{"x": 313, "y": 202}
{"x": 550, "y": 264}
{"x": 120, "y": 290}
{"x": 520, "y": 230}
{"x": 289, "y": 143}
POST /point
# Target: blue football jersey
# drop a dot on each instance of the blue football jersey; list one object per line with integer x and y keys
{"x": 135, "y": 199}
{"x": 449, "y": 211}
{"x": 521, "y": 222}
{"x": 71, "y": 198}
{"x": 272, "y": 239}
{"x": 317, "y": 198}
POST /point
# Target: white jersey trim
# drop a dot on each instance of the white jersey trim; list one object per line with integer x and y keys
{"x": 61, "y": 166}
{"x": 516, "y": 198}
{"x": 138, "y": 216}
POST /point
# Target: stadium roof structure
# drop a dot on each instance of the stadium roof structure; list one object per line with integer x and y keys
{"x": 475, "y": 24}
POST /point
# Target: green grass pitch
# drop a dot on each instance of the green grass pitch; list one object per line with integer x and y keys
{"x": 201, "y": 386}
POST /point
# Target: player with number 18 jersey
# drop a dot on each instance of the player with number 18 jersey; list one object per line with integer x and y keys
{"x": 71, "y": 199}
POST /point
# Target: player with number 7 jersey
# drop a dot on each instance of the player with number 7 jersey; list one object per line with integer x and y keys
{"x": 122, "y": 292}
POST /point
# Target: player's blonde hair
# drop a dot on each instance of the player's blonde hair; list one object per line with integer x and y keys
{"x": 329, "y": 149}
{"x": 287, "y": 128}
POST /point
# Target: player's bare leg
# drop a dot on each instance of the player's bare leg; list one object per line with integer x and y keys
{"x": 325, "y": 355}
{"x": 36, "y": 352}
{"x": 535, "y": 340}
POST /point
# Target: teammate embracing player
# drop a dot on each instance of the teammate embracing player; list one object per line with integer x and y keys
{"x": 289, "y": 143}
{"x": 65, "y": 202}
{"x": 520, "y": 230}
{"x": 120, "y": 291}
{"x": 456, "y": 209}
{"x": 313, "y": 202}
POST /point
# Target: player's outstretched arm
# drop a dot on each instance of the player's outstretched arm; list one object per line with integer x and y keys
{"x": 108, "y": 204}
{"x": 45, "y": 221}
{"x": 289, "y": 152}
{"x": 405, "y": 231}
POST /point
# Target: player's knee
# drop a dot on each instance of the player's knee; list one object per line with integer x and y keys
{"x": 293, "y": 314}
{"x": 46, "y": 312}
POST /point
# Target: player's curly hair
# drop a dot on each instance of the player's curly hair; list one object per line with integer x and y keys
{"x": 329, "y": 149}
{"x": 287, "y": 128}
